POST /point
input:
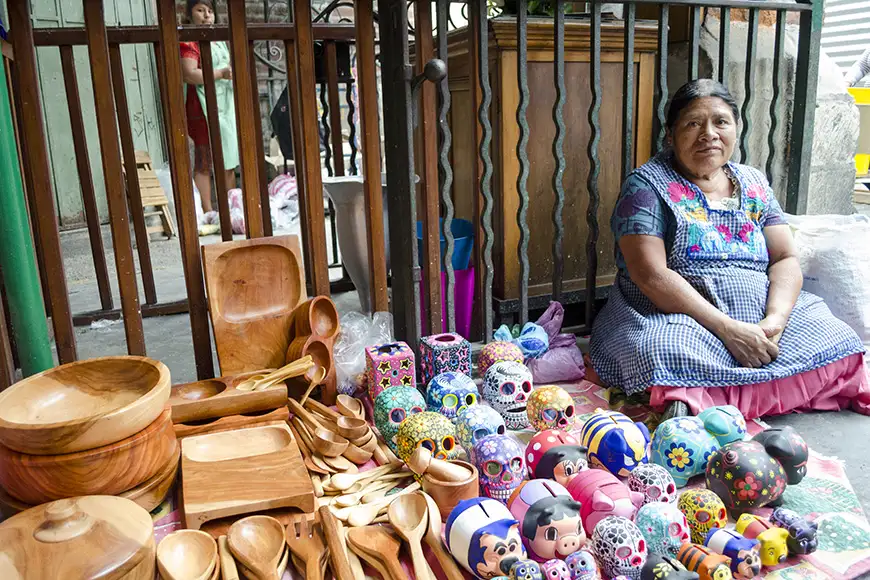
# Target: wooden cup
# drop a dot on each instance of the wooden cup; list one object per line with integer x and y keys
{"x": 449, "y": 493}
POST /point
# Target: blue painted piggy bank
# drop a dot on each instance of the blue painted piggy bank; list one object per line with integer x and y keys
{"x": 801, "y": 532}
{"x": 744, "y": 553}
{"x": 614, "y": 442}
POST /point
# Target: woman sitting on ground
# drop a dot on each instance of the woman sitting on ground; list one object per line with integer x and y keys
{"x": 707, "y": 307}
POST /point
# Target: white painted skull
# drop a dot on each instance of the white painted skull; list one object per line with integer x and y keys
{"x": 506, "y": 387}
{"x": 619, "y": 546}
{"x": 654, "y": 482}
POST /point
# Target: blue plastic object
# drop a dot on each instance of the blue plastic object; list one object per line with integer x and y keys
{"x": 463, "y": 242}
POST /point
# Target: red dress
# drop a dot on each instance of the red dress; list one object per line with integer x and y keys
{"x": 197, "y": 127}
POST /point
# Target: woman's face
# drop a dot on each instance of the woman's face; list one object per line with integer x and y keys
{"x": 704, "y": 135}
{"x": 202, "y": 14}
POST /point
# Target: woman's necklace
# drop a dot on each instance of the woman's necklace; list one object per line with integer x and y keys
{"x": 729, "y": 202}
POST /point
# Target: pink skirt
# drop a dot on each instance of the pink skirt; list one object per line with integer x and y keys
{"x": 840, "y": 385}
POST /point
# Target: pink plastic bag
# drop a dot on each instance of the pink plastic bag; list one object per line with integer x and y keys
{"x": 563, "y": 362}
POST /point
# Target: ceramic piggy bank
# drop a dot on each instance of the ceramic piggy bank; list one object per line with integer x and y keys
{"x": 431, "y": 430}
{"x": 498, "y": 351}
{"x": 506, "y": 387}
{"x": 744, "y": 553}
{"x": 583, "y": 566}
{"x": 556, "y": 455}
{"x": 654, "y": 482}
{"x": 392, "y": 407}
{"x": 786, "y": 446}
{"x": 708, "y": 564}
{"x": 526, "y": 570}
{"x": 774, "y": 541}
{"x": 659, "y": 567}
{"x": 500, "y": 466}
{"x": 449, "y": 393}
{"x": 476, "y": 422}
{"x": 619, "y": 546}
{"x": 725, "y": 423}
{"x": 389, "y": 365}
{"x": 484, "y": 537}
{"x": 801, "y": 532}
{"x": 441, "y": 353}
{"x": 614, "y": 442}
{"x": 600, "y": 495}
{"x": 703, "y": 510}
{"x": 549, "y": 519}
{"x": 550, "y": 407}
{"x": 555, "y": 570}
{"x": 664, "y": 526}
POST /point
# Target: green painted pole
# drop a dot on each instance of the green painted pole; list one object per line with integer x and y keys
{"x": 17, "y": 261}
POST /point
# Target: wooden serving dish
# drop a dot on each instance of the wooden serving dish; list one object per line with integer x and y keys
{"x": 243, "y": 471}
{"x": 219, "y": 398}
{"x": 107, "y": 470}
{"x": 253, "y": 288}
{"x": 83, "y": 405}
{"x": 183, "y": 430}
{"x": 317, "y": 316}
{"x": 320, "y": 351}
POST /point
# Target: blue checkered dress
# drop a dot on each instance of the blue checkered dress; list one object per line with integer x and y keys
{"x": 723, "y": 255}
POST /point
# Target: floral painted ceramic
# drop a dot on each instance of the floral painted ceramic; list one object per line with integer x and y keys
{"x": 476, "y": 422}
{"x": 555, "y": 570}
{"x": 583, "y": 566}
{"x": 497, "y": 352}
{"x": 392, "y": 407}
{"x": 500, "y": 466}
{"x": 664, "y": 526}
{"x": 449, "y": 393}
{"x": 654, "y": 482}
{"x": 431, "y": 430}
{"x": 551, "y": 407}
{"x": 703, "y": 510}
{"x": 507, "y": 386}
{"x": 744, "y": 476}
{"x": 526, "y": 570}
{"x": 619, "y": 546}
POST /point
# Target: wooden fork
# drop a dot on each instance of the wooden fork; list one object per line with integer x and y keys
{"x": 306, "y": 543}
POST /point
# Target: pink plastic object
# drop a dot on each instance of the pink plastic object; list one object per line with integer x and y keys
{"x": 463, "y": 300}
{"x": 602, "y": 494}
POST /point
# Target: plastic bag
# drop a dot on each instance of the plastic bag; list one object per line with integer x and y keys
{"x": 283, "y": 201}
{"x": 532, "y": 340}
{"x": 357, "y": 332}
{"x": 563, "y": 361}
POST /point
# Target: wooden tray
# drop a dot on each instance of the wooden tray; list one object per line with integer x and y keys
{"x": 219, "y": 397}
{"x": 192, "y": 428}
{"x": 242, "y": 471}
{"x": 253, "y": 288}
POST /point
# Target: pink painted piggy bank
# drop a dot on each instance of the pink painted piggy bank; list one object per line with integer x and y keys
{"x": 601, "y": 494}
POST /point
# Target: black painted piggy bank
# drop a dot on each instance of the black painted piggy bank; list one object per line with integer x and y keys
{"x": 659, "y": 567}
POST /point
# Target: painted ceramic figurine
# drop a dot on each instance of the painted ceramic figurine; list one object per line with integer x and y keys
{"x": 476, "y": 422}
{"x": 549, "y": 519}
{"x": 744, "y": 553}
{"x": 725, "y": 423}
{"x": 431, "y": 430}
{"x": 583, "y": 566}
{"x": 708, "y": 564}
{"x": 444, "y": 352}
{"x": 449, "y": 393}
{"x": 703, "y": 510}
{"x": 555, "y": 570}
{"x": 484, "y": 537}
{"x": 556, "y": 455}
{"x": 506, "y": 387}
{"x": 786, "y": 446}
{"x": 614, "y": 442}
{"x": 551, "y": 407}
{"x": 774, "y": 541}
{"x": 620, "y": 547}
{"x": 654, "y": 482}
{"x": 498, "y": 351}
{"x": 392, "y": 407}
{"x": 664, "y": 526}
{"x": 526, "y": 570}
{"x": 802, "y": 533}
{"x": 500, "y": 466}
{"x": 600, "y": 495}
{"x": 389, "y": 365}
{"x": 659, "y": 567}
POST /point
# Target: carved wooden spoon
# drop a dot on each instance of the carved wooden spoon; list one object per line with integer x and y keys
{"x": 409, "y": 516}
{"x": 376, "y": 543}
{"x": 258, "y": 543}
{"x": 433, "y": 539}
{"x": 364, "y": 514}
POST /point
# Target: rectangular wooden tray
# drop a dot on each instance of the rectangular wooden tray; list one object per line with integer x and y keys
{"x": 230, "y": 423}
{"x": 219, "y": 398}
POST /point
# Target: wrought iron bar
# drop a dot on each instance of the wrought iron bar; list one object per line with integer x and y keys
{"x": 662, "y": 75}
{"x": 523, "y": 158}
{"x": 751, "y": 39}
{"x": 558, "y": 143}
{"x": 694, "y": 41}
{"x": 775, "y": 100}
{"x": 486, "y": 161}
{"x": 628, "y": 91}
{"x": 594, "y": 163}
{"x": 324, "y": 138}
{"x": 351, "y": 123}
{"x": 445, "y": 171}
{"x": 724, "y": 42}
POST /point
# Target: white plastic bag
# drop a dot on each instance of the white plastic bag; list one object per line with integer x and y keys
{"x": 357, "y": 332}
{"x": 834, "y": 255}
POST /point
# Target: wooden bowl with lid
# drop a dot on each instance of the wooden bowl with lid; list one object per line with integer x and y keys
{"x": 83, "y": 405}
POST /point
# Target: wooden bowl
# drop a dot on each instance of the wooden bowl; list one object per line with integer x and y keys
{"x": 150, "y": 495}
{"x": 187, "y": 555}
{"x": 356, "y": 454}
{"x": 199, "y": 390}
{"x": 352, "y": 428}
{"x": 350, "y": 407}
{"x": 328, "y": 443}
{"x": 108, "y": 470}
{"x": 83, "y": 405}
{"x": 317, "y": 316}
{"x": 320, "y": 352}
{"x": 449, "y": 493}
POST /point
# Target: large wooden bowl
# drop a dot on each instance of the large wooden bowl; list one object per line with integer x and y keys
{"x": 83, "y": 405}
{"x": 108, "y": 470}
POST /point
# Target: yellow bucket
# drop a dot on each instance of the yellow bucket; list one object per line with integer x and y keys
{"x": 862, "y": 158}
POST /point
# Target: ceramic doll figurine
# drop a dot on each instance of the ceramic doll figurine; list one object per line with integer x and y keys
{"x": 498, "y": 351}
{"x": 659, "y": 567}
{"x": 549, "y": 519}
{"x": 500, "y": 466}
{"x": 506, "y": 387}
{"x": 708, "y": 564}
{"x": 703, "y": 510}
{"x": 476, "y": 422}
{"x": 654, "y": 482}
{"x": 619, "y": 546}
{"x": 744, "y": 553}
{"x": 614, "y": 442}
{"x": 664, "y": 526}
{"x": 801, "y": 532}
{"x": 392, "y": 407}
{"x": 556, "y": 455}
{"x": 551, "y": 407}
{"x": 526, "y": 570}
{"x": 600, "y": 495}
{"x": 431, "y": 430}
{"x": 484, "y": 537}
{"x": 774, "y": 540}
{"x": 583, "y": 566}
{"x": 555, "y": 570}
{"x": 449, "y": 393}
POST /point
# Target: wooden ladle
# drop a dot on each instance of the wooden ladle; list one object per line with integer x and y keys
{"x": 409, "y": 516}
{"x": 326, "y": 442}
{"x": 187, "y": 555}
{"x": 258, "y": 543}
{"x": 376, "y": 543}
{"x": 433, "y": 539}
{"x": 350, "y": 407}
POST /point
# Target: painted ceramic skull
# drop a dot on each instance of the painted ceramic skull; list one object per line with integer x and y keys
{"x": 620, "y": 547}
{"x": 554, "y": 454}
{"x": 431, "y": 430}
{"x": 498, "y": 351}
{"x": 500, "y": 466}
{"x": 582, "y": 566}
{"x": 654, "y": 482}
{"x": 526, "y": 570}
{"x": 506, "y": 387}
{"x": 392, "y": 407}
{"x": 551, "y": 407}
{"x": 664, "y": 526}
{"x": 449, "y": 393}
{"x": 703, "y": 510}
{"x": 476, "y": 422}
{"x": 555, "y": 570}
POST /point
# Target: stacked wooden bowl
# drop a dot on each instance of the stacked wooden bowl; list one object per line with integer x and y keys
{"x": 94, "y": 427}
{"x": 315, "y": 328}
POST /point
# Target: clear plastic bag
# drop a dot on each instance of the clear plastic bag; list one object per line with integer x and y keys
{"x": 358, "y": 331}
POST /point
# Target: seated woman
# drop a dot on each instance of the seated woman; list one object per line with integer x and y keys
{"x": 707, "y": 307}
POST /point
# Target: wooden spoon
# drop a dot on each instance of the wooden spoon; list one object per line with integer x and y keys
{"x": 282, "y": 565}
{"x": 433, "y": 539}
{"x": 228, "y": 564}
{"x": 317, "y": 378}
{"x": 376, "y": 543}
{"x": 187, "y": 555}
{"x": 352, "y": 499}
{"x": 364, "y": 514}
{"x": 318, "y": 407}
{"x": 313, "y": 465}
{"x": 341, "y": 464}
{"x": 343, "y": 482}
{"x": 306, "y": 543}
{"x": 352, "y": 428}
{"x": 258, "y": 543}
{"x": 334, "y": 541}
{"x": 261, "y": 381}
{"x": 409, "y": 516}
{"x": 355, "y": 564}
{"x": 350, "y": 407}
{"x": 356, "y": 454}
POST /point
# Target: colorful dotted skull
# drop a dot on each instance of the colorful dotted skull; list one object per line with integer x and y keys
{"x": 497, "y": 352}
{"x": 506, "y": 387}
{"x": 431, "y": 430}
{"x": 553, "y": 454}
{"x": 476, "y": 422}
{"x": 664, "y": 526}
{"x": 555, "y": 570}
{"x": 551, "y": 407}
{"x": 620, "y": 546}
{"x": 392, "y": 407}
{"x": 703, "y": 510}
{"x": 500, "y": 466}
{"x": 654, "y": 482}
{"x": 449, "y": 393}
{"x": 526, "y": 570}
{"x": 582, "y": 566}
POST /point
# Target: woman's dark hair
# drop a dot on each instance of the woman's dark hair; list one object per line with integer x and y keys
{"x": 192, "y": 3}
{"x": 698, "y": 89}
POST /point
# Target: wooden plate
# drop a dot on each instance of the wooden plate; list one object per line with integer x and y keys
{"x": 151, "y": 494}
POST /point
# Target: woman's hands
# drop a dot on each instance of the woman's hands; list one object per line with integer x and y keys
{"x": 753, "y": 345}
{"x": 224, "y": 74}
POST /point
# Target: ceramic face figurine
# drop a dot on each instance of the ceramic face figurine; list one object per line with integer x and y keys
{"x": 583, "y": 566}
{"x": 620, "y": 547}
{"x": 497, "y": 352}
{"x": 549, "y": 519}
{"x": 801, "y": 532}
{"x": 614, "y": 442}
{"x": 555, "y": 570}
{"x": 449, "y": 393}
{"x": 745, "y": 476}
{"x": 556, "y": 455}
{"x": 447, "y": 352}
{"x": 392, "y": 407}
{"x": 703, "y": 510}
{"x": 476, "y": 422}
{"x": 682, "y": 445}
{"x": 602, "y": 495}
{"x": 774, "y": 540}
{"x": 786, "y": 446}
{"x": 389, "y": 365}
{"x": 744, "y": 553}
{"x": 526, "y": 570}
{"x": 551, "y": 407}
{"x": 659, "y": 567}
{"x": 484, "y": 537}
{"x": 506, "y": 387}
{"x": 725, "y": 423}
{"x": 708, "y": 565}
{"x": 654, "y": 482}
{"x": 664, "y": 526}
{"x": 433, "y": 431}
{"x": 500, "y": 466}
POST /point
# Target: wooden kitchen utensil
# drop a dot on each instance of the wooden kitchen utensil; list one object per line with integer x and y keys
{"x": 314, "y": 379}
{"x": 258, "y": 543}
{"x": 350, "y": 407}
{"x": 376, "y": 543}
{"x": 231, "y": 422}
{"x": 264, "y": 380}
{"x": 409, "y": 516}
{"x": 228, "y": 563}
{"x": 220, "y": 398}
{"x": 355, "y": 564}
{"x": 352, "y": 499}
{"x": 83, "y": 405}
{"x": 282, "y": 565}
{"x": 449, "y": 493}
{"x": 343, "y": 482}
{"x": 341, "y": 464}
{"x": 238, "y": 472}
{"x": 310, "y": 463}
{"x": 317, "y": 407}
{"x": 422, "y": 462}
{"x": 151, "y": 494}
{"x": 335, "y": 542}
{"x": 306, "y": 543}
{"x": 107, "y": 470}
{"x": 356, "y": 455}
{"x": 318, "y": 316}
{"x": 187, "y": 555}
{"x": 253, "y": 288}
{"x": 433, "y": 540}
{"x": 363, "y": 514}
{"x": 352, "y": 428}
